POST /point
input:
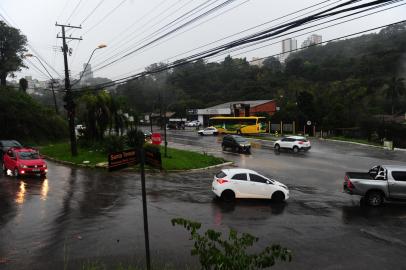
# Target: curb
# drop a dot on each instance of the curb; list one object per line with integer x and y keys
{"x": 357, "y": 143}
{"x": 70, "y": 163}
{"x": 202, "y": 169}
{"x": 104, "y": 166}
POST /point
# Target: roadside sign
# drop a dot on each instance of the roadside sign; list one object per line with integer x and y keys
{"x": 118, "y": 160}
{"x": 156, "y": 138}
{"x": 153, "y": 157}
{"x": 309, "y": 123}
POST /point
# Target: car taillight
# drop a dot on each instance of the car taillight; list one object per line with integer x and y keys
{"x": 350, "y": 185}
{"x": 222, "y": 181}
{"x": 300, "y": 142}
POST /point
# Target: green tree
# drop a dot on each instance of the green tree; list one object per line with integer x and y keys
{"x": 23, "y": 84}
{"x": 395, "y": 88}
{"x": 12, "y": 49}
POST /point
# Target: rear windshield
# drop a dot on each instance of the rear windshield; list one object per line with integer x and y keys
{"x": 221, "y": 174}
{"x": 28, "y": 155}
{"x": 10, "y": 143}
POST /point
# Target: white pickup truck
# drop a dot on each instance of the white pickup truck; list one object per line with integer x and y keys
{"x": 380, "y": 183}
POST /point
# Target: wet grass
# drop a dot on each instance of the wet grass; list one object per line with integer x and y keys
{"x": 61, "y": 151}
{"x": 176, "y": 159}
{"x": 185, "y": 160}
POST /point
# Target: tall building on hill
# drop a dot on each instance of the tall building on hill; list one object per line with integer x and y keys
{"x": 87, "y": 74}
{"x": 288, "y": 45}
{"x": 313, "y": 39}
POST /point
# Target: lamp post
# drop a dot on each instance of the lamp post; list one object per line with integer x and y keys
{"x": 52, "y": 80}
{"x": 101, "y": 46}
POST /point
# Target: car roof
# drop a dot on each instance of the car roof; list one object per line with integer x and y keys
{"x": 238, "y": 170}
{"x": 394, "y": 167}
{"x": 295, "y": 137}
{"x": 14, "y": 141}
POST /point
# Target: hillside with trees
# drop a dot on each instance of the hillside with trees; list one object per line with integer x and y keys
{"x": 24, "y": 119}
{"x": 342, "y": 84}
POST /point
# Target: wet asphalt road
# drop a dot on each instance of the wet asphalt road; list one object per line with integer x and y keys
{"x": 78, "y": 215}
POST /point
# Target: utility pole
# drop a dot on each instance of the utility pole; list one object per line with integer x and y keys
{"x": 70, "y": 104}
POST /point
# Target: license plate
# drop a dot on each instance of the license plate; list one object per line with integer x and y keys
{"x": 35, "y": 170}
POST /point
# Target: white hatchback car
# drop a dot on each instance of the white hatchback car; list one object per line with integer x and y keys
{"x": 229, "y": 184}
{"x": 295, "y": 143}
{"x": 208, "y": 131}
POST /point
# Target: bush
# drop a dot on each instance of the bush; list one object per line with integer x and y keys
{"x": 230, "y": 253}
{"x": 114, "y": 143}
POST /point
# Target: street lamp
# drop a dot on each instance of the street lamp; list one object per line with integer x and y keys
{"x": 52, "y": 79}
{"x": 101, "y": 46}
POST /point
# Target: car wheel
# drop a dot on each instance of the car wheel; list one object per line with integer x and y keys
{"x": 277, "y": 147}
{"x": 239, "y": 132}
{"x": 278, "y": 197}
{"x": 228, "y": 196}
{"x": 374, "y": 198}
{"x": 15, "y": 173}
{"x": 235, "y": 149}
{"x": 223, "y": 147}
{"x": 295, "y": 149}
{"x": 215, "y": 133}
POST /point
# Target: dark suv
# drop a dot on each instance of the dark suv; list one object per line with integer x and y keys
{"x": 237, "y": 143}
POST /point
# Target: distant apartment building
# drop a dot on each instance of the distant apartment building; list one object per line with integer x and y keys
{"x": 288, "y": 45}
{"x": 87, "y": 73}
{"x": 313, "y": 39}
{"x": 257, "y": 62}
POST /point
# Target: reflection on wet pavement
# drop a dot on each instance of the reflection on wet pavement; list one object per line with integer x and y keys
{"x": 81, "y": 214}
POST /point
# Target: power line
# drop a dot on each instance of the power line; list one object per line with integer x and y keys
{"x": 179, "y": 63}
{"x": 105, "y": 16}
{"x": 128, "y": 38}
{"x": 168, "y": 33}
{"x": 93, "y": 11}
{"x": 322, "y": 28}
{"x": 30, "y": 46}
{"x": 73, "y": 11}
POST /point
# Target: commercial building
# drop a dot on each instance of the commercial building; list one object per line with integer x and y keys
{"x": 313, "y": 39}
{"x": 235, "y": 108}
{"x": 288, "y": 45}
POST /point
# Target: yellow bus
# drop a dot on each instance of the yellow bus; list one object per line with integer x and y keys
{"x": 239, "y": 125}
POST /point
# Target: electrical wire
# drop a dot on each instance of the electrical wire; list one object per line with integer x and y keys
{"x": 168, "y": 33}
{"x": 73, "y": 11}
{"x": 127, "y": 38}
{"x": 105, "y": 16}
{"x": 322, "y": 28}
{"x": 93, "y": 11}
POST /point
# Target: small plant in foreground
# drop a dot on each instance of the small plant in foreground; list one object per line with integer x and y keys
{"x": 230, "y": 254}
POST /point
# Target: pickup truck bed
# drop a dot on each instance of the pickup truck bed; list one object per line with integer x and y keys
{"x": 359, "y": 175}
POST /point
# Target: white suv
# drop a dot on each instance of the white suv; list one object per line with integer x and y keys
{"x": 295, "y": 143}
{"x": 243, "y": 183}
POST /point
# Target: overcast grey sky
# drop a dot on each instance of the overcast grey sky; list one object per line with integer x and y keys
{"x": 122, "y": 24}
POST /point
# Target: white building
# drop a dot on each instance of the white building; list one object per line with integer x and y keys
{"x": 87, "y": 73}
{"x": 257, "y": 62}
{"x": 288, "y": 45}
{"x": 313, "y": 39}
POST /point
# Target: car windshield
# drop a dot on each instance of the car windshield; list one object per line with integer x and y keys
{"x": 28, "y": 155}
{"x": 240, "y": 139}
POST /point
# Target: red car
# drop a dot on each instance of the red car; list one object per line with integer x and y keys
{"x": 24, "y": 161}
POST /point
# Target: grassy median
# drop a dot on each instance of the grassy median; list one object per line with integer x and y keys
{"x": 176, "y": 159}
